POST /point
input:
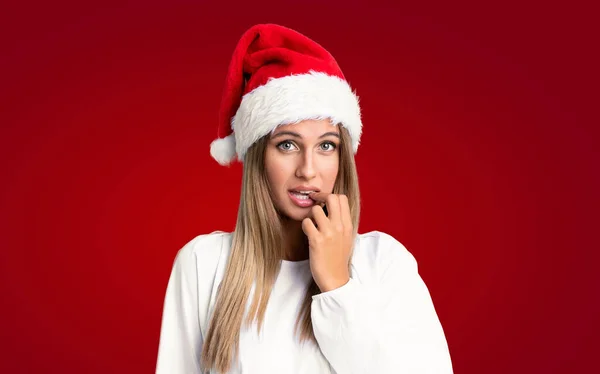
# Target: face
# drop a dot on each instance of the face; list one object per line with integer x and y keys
{"x": 299, "y": 158}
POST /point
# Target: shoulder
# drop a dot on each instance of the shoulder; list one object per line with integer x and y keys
{"x": 377, "y": 253}
{"x": 204, "y": 244}
{"x": 382, "y": 246}
{"x": 203, "y": 251}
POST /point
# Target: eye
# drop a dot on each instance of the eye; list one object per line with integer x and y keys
{"x": 328, "y": 146}
{"x": 286, "y": 146}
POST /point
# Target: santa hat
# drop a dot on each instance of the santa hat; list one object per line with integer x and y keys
{"x": 278, "y": 76}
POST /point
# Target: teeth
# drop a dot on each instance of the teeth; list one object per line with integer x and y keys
{"x": 304, "y": 192}
{"x": 301, "y": 195}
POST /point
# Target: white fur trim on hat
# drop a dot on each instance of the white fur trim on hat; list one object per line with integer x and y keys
{"x": 223, "y": 150}
{"x": 292, "y": 99}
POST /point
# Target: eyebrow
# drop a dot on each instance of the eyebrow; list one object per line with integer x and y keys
{"x": 296, "y": 135}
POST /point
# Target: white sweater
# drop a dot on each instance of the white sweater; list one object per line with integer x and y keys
{"x": 382, "y": 321}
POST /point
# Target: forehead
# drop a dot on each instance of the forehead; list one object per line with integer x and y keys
{"x": 308, "y": 128}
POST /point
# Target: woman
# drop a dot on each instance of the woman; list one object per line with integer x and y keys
{"x": 295, "y": 288}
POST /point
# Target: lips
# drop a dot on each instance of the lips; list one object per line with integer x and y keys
{"x": 300, "y": 195}
{"x": 301, "y": 199}
{"x": 305, "y": 189}
{"x": 302, "y": 192}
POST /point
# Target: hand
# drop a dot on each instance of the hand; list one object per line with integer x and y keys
{"x": 330, "y": 241}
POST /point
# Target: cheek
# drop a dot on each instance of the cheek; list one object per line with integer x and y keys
{"x": 276, "y": 172}
{"x": 329, "y": 172}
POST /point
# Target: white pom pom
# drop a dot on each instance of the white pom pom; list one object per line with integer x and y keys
{"x": 223, "y": 150}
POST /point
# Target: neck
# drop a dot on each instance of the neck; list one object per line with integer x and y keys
{"x": 295, "y": 242}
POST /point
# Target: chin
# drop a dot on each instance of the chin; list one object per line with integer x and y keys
{"x": 296, "y": 213}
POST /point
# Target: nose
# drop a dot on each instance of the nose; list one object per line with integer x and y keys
{"x": 306, "y": 167}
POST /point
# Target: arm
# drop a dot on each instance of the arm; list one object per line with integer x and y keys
{"x": 180, "y": 336}
{"x": 389, "y": 326}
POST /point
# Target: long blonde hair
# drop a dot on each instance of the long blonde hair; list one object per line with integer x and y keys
{"x": 255, "y": 256}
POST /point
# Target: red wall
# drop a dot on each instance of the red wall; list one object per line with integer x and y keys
{"x": 478, "y": 154}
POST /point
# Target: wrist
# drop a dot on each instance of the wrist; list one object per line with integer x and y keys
{"x": 333, "y": 284}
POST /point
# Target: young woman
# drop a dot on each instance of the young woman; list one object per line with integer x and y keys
{"x": 295, "y": 288}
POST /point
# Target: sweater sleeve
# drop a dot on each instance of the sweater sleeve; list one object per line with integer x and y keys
{"x": 384, "y": 326}
{"x": 181, "y": 340}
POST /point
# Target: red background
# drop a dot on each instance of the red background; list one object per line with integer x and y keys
{"x": 480, "y": 154}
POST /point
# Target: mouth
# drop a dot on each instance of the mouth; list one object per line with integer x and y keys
{"x": 302, "y": 194}
{"x": 301, "y": 198}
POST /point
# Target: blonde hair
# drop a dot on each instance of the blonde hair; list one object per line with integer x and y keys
{"x": 255, "y": 256}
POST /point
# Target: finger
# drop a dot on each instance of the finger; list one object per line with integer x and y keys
{"x": 333, "y": 208}
{"x": 309, "y": 228}
{"x": 345, "y": 212}
{"x": 319, "y": 216}
{"x": 319, "y": 197}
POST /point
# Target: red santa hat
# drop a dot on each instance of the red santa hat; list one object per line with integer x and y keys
{"x": 278, "y": 76}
